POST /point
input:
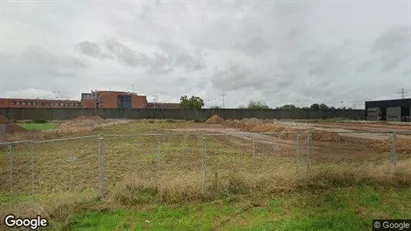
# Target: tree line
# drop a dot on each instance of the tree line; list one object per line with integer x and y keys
{"x": 195, "y": 102}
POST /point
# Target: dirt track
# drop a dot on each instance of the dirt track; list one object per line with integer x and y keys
{"x": 357, "y": 141}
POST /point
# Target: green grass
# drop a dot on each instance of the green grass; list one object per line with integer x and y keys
{"x": 337, "y": 206}
{"x": 351, "y": 208}
{"x": 39, "y": 126}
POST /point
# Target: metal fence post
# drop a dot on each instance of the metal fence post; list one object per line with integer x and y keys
{"x": 309, "y": 151}
{"x": 32, "y": 169}
{"x": 101, "y": 165}
{"x": 394, "y": 148}
{"x": 204, "y": 163}
{"x": 11, "y": 167}
{"x": 254, "y": 151}
{"x": 298, "y": 153}
{"x": 158, "y": 152}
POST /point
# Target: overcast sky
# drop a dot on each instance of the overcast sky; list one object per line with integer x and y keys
{"x": 276, "y": 52}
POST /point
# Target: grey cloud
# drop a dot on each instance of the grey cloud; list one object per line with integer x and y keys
{"x": 281, "y": 51}
{"x": 39, "y": 68}
{"x": 44, "y": 61}
{"x": 90, "y": 49}
{"x": 253, "y": 47}
{"x": 240, "y": 77}
{"x": 393, "y": 47}
{"x": 125, "y": 54}
{"x": 170, "y": 57}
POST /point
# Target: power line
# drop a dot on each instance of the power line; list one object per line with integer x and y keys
{"x": 155, "y": 99}
{"x": 223, "y": 98}
{"x": 402, "y": 92}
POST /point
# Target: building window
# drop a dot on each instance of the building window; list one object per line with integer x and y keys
{"x": 18, "y": 103}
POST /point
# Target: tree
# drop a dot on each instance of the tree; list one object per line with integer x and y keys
{"x": 323, "y": 107}
{"x": 194, "y": 102}
{"x": 315, "y": 107}
{"x": 242, "y": 107}
{"x": 288, "y": 107}
{"x": 256, "y": 105}
{"x": 215, "y": 107}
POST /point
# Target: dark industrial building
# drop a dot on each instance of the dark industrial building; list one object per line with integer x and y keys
{"x": 388, "y": 110}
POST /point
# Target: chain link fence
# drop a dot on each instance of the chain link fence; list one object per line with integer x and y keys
{"x": 176, "y": 166}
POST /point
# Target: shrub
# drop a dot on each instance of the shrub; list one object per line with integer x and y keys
{"x": 39, "y": 121}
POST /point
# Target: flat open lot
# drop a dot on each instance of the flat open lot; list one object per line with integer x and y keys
{"x": 249, "y": 174}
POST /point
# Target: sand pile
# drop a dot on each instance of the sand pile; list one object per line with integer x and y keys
{"x": 229, "y": 123}
{"x": 215, "y": 119}
{"x": 80, "y": 118}
{"x": 282, "y": 132}
{"x": 82, "y": 123}
{"x": 403, "y": 146}
{"x": 4, "y": 120}
{"x": 251, "y": 121}
{"x": 326, "y": 136}
{"x": 13, "y": 128}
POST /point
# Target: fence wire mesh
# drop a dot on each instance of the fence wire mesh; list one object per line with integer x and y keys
{"x": 176, "y": 166}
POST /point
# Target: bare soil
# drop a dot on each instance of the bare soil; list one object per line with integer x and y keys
{"x": 329, "y": 141}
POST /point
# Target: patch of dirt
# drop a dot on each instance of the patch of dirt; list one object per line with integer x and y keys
{"x": 4, "y": 120}
{"x": 13, "y": 128}
{"x": 215, "y": 119}
{"x": 80, "y": 118}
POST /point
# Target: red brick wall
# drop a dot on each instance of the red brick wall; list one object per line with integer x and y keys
{"x": 138, "y": 101}
{"x": 89, "y": 103}
{"x": 109, "y": 100}
{"x": 38, "y": 103}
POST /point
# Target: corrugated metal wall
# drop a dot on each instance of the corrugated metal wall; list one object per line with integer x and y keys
{"x": 393, "y": 113}
{"x": 373, "y": 114}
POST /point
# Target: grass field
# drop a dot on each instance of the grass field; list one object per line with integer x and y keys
{"x": 348, "y": 208}
{"x": 31, "y": 126}
{"x": 147, "y": 189}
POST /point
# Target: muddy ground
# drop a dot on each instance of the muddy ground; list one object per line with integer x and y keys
{"x": 357, "y": 142}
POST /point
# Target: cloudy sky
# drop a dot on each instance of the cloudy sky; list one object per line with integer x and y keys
{"x": 273, "y": 51}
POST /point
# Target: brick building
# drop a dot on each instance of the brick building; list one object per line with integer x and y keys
{"x": 38, "y": 103}
{"x": 113, "y": 99}
{"x": 163, "y": 105}
{"x": 94, "y": 99}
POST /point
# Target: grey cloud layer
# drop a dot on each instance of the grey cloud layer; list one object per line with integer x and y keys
{"x": 167, "y": 60}
{"x": 271, "y": 51}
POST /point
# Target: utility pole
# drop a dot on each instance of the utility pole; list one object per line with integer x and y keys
{"x": 132, "y": 88}
{"x": 95, "y": 99}
{"x": 56, "y": 94}
{"x": 155, "y": 99}
{"x": 402, "y": 92}
{"x": 223, "y": 99}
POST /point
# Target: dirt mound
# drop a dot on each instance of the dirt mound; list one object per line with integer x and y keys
{"x": 403, "y": 146}
{"x": 3, "y": 119}
{"x": 13, "y": 128}
{"x": 80, "y": 118}
{"x": 251, "y": 121}
{"x": 229, "y": 123}
{"x": 326, "y": 136}
{"x": 215, "y": 119}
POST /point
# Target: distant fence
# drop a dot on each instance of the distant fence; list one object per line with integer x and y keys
{"x": 178, "y": 114}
